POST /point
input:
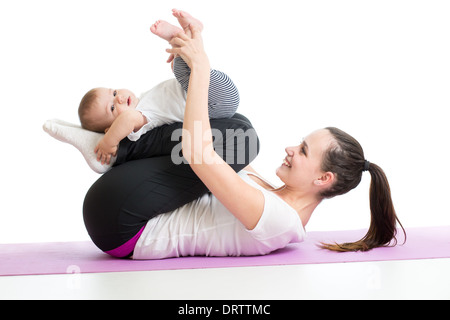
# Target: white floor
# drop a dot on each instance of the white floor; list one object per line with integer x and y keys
{"x": 413, "y": 279}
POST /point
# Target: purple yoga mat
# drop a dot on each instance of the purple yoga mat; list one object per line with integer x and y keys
{"x": 84, "y": 257}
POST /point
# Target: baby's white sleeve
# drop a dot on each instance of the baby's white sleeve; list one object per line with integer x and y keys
{"x": 151, "y": 124}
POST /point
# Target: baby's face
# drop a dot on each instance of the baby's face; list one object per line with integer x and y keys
{"x": 112, "y": 102}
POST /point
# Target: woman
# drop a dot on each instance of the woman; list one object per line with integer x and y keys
{"x": 244, "y": 215}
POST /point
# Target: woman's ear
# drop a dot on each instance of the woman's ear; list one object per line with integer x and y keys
{"x": 325, "y": 180}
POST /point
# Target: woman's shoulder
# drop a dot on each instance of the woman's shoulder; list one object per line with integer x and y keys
{"x": 279, "y": 220}
{"x": 275, "y": 208}
{"x": 257, "y": 178}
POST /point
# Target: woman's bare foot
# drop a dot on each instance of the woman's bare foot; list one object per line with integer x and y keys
{"x": 165, "y": 30}
{"x": 185, "y": 19}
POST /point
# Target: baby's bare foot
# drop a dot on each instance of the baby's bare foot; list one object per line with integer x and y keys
{"x": 165, "y": 30}
{"x": 185, "y": 19}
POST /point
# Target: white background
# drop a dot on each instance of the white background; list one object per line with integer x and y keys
{"x": 379, "y": 70}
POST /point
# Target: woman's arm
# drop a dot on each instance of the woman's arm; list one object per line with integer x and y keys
{"x": 242, "y": 200}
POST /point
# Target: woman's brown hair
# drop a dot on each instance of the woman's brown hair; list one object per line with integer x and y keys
{"x": 345, "y": 158}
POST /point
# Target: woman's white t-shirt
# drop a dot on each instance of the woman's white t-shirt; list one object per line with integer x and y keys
{"x": 205, "y": 227}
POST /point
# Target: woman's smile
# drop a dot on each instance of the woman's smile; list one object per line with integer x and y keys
{"x": 286, "y": 163}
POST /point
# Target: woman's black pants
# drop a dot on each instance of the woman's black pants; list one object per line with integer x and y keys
{"x": 150, "y": 177}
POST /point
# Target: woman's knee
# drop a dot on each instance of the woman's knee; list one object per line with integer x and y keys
{"x": 235, "y": 140}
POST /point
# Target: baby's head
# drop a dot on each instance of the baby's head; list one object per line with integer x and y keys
{"x": 101, "y": 106}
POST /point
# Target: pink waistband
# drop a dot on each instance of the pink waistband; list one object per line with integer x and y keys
{"x": 127, "y": 248}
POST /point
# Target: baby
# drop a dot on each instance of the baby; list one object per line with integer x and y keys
{"x": 120, "y": 114}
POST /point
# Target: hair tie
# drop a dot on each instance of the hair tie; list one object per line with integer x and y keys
{"x": 366, "y": 165}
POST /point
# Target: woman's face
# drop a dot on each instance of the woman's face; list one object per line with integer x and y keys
{"x": 301, "y": 169}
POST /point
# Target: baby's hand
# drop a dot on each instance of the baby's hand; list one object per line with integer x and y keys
{"x": 105, "y": 152}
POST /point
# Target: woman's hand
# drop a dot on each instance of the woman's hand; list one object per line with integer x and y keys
{"x": 190, "y": 48}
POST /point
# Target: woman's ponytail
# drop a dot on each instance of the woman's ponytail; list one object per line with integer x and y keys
{"x": 383, "y": 218}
